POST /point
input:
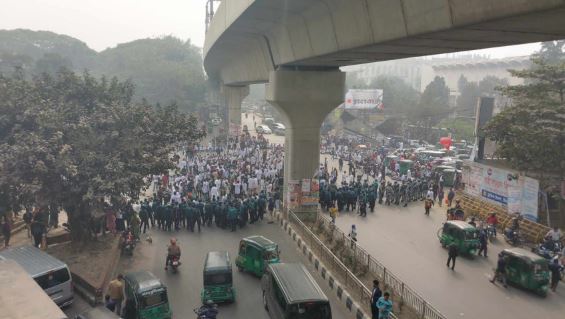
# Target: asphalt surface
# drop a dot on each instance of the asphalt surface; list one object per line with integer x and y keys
{"x": 405, "y": 241}
{"x": 184, "y": 287}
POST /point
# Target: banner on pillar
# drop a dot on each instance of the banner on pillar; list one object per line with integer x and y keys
{"x": 293, "y": 194}
{"x": 312, "y": 196}
{"x": 363, "y": 99}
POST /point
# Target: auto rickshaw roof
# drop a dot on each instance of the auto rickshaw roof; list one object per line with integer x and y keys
{"x": 260, "y": 241}
{"x": 291, "y": 278}
{"x": 217, "y": 261}
{"x": 524, "y": 254}
{"x": 461, "y": 224}
{"x": 142, "y": 281}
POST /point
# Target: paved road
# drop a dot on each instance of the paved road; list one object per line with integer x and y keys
{"x": 405, "y": 241}
{"x": 273, "y": 138}
{"x": 184, "y": 287}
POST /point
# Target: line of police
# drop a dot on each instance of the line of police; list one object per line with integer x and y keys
{"x": 348, "y": 196}
{"x": 193, "y": 214}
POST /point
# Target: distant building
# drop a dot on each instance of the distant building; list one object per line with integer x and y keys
{"x": 474, "y": 70}
{"x": 419, "y": 72}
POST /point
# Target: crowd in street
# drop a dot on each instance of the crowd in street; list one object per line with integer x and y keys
{"x": 229, "y": 187}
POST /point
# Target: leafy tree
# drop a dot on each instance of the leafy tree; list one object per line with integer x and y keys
{"x": 51, "y": 63}
{"x": 489, "y": 85}
{"x": 551, "y": 52}
{"x": 398, "y": 96}
{"x": 75, "y": 141}
{"x": 434, "y": 103}
{"x": 469, "y": 92}
{"x": 531, "y": 133}
{"x": 164, "y": 69}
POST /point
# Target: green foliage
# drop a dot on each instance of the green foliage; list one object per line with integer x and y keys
{"x": 398, "y": 96}
{"x": 470, "y": 92}
{"x": 163, "y": 70}
{"x": 71, "y": 141}
{"x": 434, "y": 104}
{"x": 551, "y": 52}
{"x": 531, "y": 133}
{"x": 461, "y": 128}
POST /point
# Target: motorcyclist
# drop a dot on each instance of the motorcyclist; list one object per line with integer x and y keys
{"x": 173, "y": 250}
{"x": 554, "y": 234}
{"x": 552, "y": 238}
{"x": 492, "y": 221}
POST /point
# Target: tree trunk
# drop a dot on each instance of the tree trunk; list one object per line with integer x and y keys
{"x": 78, "y": 223}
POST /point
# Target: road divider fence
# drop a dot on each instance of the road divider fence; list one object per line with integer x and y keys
{"x": 356, "y": 268}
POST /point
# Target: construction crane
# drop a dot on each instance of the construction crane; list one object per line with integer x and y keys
{"x": 210, "y": 11}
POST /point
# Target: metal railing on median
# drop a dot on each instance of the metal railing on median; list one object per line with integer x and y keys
{"x": 408, "y": 299}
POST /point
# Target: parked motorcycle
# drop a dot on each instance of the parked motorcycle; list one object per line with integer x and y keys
{"x": 207, "y": 311}
{"x": 548, "y": 249}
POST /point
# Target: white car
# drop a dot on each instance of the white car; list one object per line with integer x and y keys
{"x": 279, "y": 129}
{"x": 216, "y": 121}
{"x": 263, "y": 129}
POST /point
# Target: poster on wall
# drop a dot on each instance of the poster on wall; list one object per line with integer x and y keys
{"x": 293, "y": 194}
{"x": 312, "y": 197}
{"x": 503, "y": 187}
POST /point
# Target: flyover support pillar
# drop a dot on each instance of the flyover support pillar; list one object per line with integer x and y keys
{"x": 305, "y": 98}
{"x": 234, "y": 95}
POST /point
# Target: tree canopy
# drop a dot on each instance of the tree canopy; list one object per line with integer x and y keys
{"x": 72, "y": 141}
{"x": 162, "y": 69}
{"x": 531, "y": 132}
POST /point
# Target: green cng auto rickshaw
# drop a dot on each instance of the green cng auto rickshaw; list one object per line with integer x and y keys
{"x": 255, "y": 253}
{"x": 405, "y": 165}
{"x": 147, "y": 295}
{"x": 217, "y": 278}
{"x": 464, "y": 235}
{"x": 527, "y": 270}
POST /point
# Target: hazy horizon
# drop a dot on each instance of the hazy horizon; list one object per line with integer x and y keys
{"x": 93, "y": 23}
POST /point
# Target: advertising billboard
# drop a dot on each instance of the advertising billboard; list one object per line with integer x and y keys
{"x": 517, "y": 193}
{"x": 363, "y": 99}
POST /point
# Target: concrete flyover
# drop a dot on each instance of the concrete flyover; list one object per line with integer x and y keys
{"x": 297, "y": 46}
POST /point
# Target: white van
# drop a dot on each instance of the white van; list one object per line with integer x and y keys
{"x": 50, "y": 273}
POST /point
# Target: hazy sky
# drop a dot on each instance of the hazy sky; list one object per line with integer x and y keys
{"x": 106, "y": 23}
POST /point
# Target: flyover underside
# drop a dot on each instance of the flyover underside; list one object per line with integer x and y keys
{"x": 331, "y": 33}
{"x": 541, "y": 26}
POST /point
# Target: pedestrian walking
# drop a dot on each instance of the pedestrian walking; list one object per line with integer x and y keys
{"x": 483, "y": 242}
{"x": 555, "y": 270}
{"x": 450, "y": 197}
{"x": 353, "y": 235}
{"x": 375, "y": 296}
{"x": 500, "y": 271}
{"x": 116, "y": 293}
{"x": 333, "y": 213}
{"x": 452, "y": 255}
{"x": 6, "y": 230}
{"x": 440, "y": 196}
{"x": 384, "y": 306}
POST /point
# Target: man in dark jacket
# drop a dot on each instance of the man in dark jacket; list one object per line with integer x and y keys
{"x": 376, "y": 294}
{"x": 453, "y": 252}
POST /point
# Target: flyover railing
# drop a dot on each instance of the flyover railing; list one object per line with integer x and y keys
{"x": 409, "y": 303}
